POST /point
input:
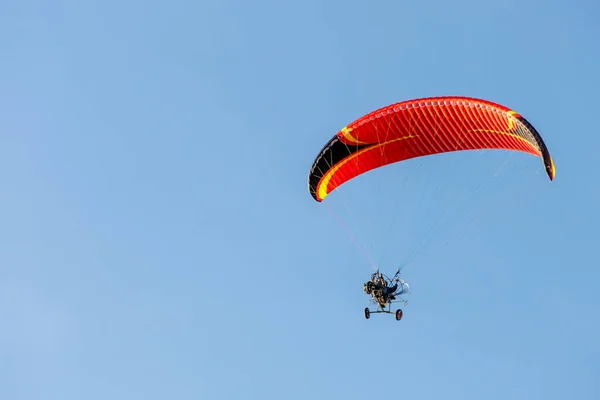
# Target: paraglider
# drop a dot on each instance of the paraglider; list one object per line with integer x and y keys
{"x": 419, "y": 128}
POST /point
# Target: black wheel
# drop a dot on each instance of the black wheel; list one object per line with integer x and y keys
{"x": 399, "y": 314}
{"x": 367, "y": 313}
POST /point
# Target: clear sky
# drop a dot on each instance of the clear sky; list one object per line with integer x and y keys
{"x": 158, "y": 241}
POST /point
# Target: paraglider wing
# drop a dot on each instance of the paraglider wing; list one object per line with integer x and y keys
{"x": 417, "y": 128}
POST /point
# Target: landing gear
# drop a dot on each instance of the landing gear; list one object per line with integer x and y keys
{"x": 399, "y": 313}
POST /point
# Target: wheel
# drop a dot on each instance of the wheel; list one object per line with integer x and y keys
{"x": 399, "y": 314}
{"x": 367, "y": 313}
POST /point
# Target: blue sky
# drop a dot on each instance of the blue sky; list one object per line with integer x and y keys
{"x": 157, "y": 239}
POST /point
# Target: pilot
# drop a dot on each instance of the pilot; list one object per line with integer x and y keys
{"x": 388, "y": 291}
